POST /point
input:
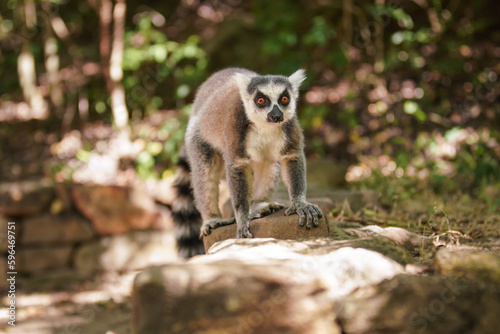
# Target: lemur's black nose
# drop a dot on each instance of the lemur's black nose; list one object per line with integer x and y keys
{"x": 275, "y": 115}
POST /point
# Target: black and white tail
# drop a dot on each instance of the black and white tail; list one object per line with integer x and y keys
{"x": 186, "y": 217}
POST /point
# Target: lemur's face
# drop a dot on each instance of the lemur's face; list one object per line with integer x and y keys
{"x": 270, "y": 99}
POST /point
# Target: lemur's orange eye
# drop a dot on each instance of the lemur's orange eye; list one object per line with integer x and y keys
{"x": 261, "y": 100}
{"x": 285, "y": 99}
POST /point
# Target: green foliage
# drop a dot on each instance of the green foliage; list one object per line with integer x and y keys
{"x": 150, "y": 58}
{"x": 320, "y": 34}
{"x": 162, "y": 146}
{"x": 460, "y": 160}
{"x": 412, "y": 108}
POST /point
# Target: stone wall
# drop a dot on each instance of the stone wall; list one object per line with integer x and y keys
{"x": 83, "y": 229}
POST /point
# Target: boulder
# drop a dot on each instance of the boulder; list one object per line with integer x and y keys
{"x": 115, "y": 209}
{"x": 230, "y": 297}
{"x": 23, "y": 198}
{"x": 421, "y": 304}
{"x": 60, "y": 229}
{"x": 471, "y": 263}
{"x": 414, "y": 243}
{"x": 341, "y": 267}
{"x": 276, "y": 225}
{"x": 314, "y": 247}
{"x": 255, "y": 286}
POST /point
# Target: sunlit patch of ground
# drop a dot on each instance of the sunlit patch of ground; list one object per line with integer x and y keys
{"x": 101, "y": 309}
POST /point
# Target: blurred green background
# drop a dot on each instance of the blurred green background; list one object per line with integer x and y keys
{"x": 404, "y": 94}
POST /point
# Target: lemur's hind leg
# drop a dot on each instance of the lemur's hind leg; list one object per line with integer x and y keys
{"x": 206, "y": 169}
{"x": 266, "y": 176}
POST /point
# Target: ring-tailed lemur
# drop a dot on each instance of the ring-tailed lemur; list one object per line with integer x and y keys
{"x": 245, "y": 125}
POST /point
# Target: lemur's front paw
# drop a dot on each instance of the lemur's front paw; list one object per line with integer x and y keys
{"x": 243, "y": 232}
{"x": 211, "y": 224}
{"x": 308, "y": 213}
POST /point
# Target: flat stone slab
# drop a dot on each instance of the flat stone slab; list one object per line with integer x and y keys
{"x": 276, "y": 225}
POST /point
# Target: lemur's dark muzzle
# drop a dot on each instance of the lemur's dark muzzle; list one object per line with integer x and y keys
{"x": 275, "y": 115}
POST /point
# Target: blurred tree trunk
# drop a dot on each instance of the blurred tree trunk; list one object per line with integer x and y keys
{"x": 118, "y": 103}
{"x": 52, "y": 66}
{"x": 26, "y": 69}
{"x": 27, "y": 80}
{"x": 111, "y": 56}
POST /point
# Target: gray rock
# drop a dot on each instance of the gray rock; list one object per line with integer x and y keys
{"x": 230, "y": 297}
{"x": 421, "y": 304}
{"x": 256, "y": 286}
{"x": 23, "y": 198}
{"x": 473, "y": 264}
{"x": 318, "y": 246}
{"x": 414, "y": 243}
{"x": 341, "y": 267}
{"x": 60, "y": 229}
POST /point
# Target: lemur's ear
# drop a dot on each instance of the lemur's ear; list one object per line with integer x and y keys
{"x": 297, "y": 78}
{"x": 243, "y": 81}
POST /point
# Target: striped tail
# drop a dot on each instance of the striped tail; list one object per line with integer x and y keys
{"x": 187, "y": 218}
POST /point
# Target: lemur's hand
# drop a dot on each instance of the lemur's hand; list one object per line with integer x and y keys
{"x": 308, "y": 213}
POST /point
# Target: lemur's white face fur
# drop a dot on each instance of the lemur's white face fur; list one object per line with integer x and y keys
{"x": 269, "y": 100}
